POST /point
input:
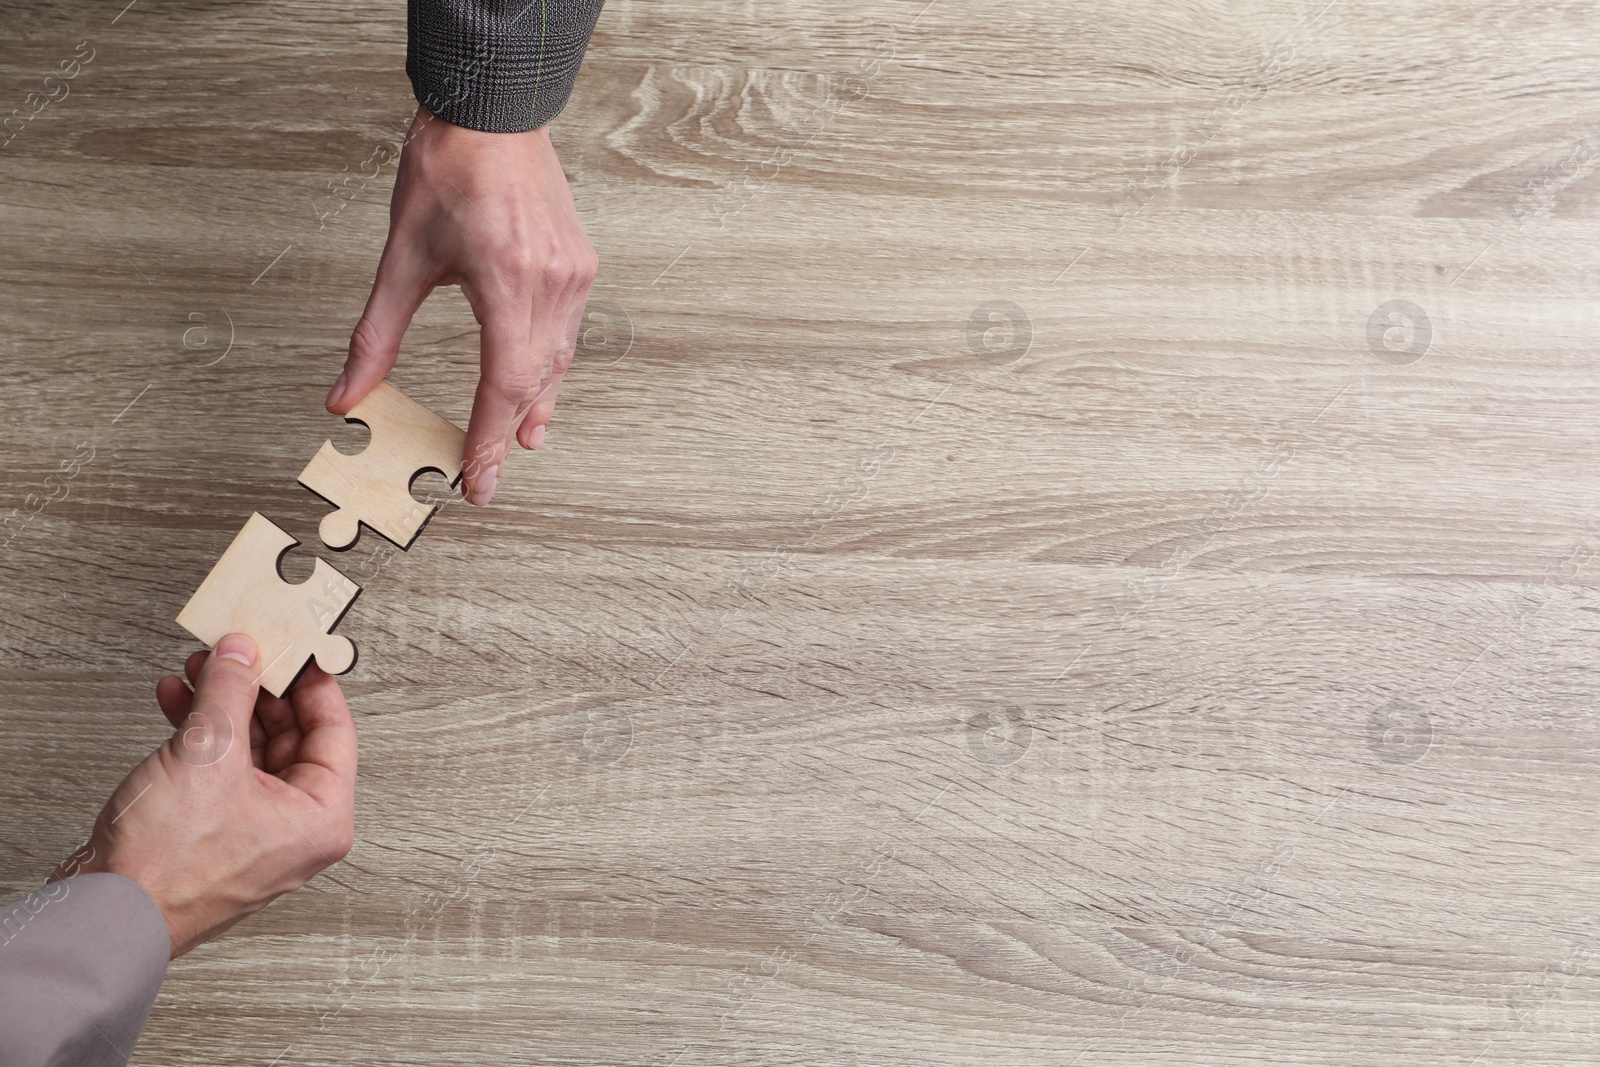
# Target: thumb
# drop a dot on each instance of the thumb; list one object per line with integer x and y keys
{"x": 397, "y": 292}
{"x": 218, "y": 726}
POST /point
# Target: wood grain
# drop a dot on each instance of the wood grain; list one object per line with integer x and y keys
{"x": 1191, "y": 665}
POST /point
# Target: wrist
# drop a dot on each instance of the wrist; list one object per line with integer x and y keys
{"x": 92, "y": 860}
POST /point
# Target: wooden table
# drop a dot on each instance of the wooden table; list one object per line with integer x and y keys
{"x": 1071, "y": 538}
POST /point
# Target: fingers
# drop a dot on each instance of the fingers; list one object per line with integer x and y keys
{"x": 530, "y": 434}
{"x": 531, "y": 431}
{"x": 401, "y": 285}
{"x": 280, "y": 732}
{"x": 258, "y": 745}
{"x": 174, "y": 699}
{"x": 225, "y": 696}
{"x": 523, "y": 369}
{"x": 192, "y": 665}
{"x": 508, "y": 381}
{"x": 325, "y": 766}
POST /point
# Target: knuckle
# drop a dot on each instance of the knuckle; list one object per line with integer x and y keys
{"x": 479, "y": 456}
{"x": 516, "y": 382}
{"x": 341, "y": 839}
{"x": 558, "y": 269}
{"x": 366, "y": 344}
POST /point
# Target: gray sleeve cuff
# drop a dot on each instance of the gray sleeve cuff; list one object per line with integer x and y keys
{"x": 81, "y": 961}
{"x": 503, "y": 66}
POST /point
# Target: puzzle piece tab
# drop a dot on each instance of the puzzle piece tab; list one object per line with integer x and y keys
{"x": 375, "y": 486}
{"x": 245, "y": 594}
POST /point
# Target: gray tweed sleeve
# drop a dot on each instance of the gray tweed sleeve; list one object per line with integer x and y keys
{"x": 503, "y": 66}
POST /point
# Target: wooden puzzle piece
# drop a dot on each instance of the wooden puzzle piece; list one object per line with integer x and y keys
{"x": 375, "y": 486}
{"x": 245, "y": 594}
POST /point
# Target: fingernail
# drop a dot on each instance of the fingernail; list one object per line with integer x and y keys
{"x": 337, "y": 391}
{"x": 239, "y": 648}
{"x": 484, "y": 489}
{"x": 536, "y": 438}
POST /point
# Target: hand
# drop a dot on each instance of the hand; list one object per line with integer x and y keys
{"x": 250, "y": 797}
{"x": 492, "y": 213}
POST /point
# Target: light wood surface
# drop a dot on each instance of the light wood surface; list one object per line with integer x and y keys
{"x": 1006, "y": 582}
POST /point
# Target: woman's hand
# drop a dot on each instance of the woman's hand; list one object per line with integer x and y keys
{"x": 492, "y": 213}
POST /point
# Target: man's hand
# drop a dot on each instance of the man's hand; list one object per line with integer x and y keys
{"x": 492, "y": 213}
{"x": 250, "y": 797}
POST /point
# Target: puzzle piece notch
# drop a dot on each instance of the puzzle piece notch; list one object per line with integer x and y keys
{"x": 244, "y": 593}
{"x": 374, "y": 487}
